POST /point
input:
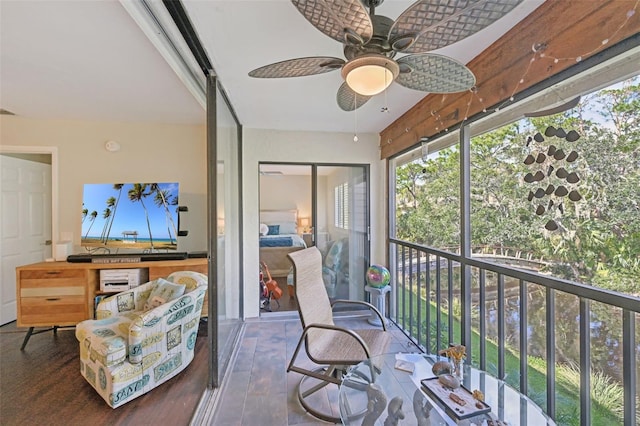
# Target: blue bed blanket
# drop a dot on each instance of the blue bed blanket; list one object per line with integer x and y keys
{"x": 276, "y": 242}
{"x": 287, "y": 240}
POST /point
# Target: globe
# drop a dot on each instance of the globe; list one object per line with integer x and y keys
{"x": 378, "y": 276}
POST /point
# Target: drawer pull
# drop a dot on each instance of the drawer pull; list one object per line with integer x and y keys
{"x": 52, "y": 299}
{"x": 53, "y": 272}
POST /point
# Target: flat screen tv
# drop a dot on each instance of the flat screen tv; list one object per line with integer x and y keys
{"x": 137, "y": 216}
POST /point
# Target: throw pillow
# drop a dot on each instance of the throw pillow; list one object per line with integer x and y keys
{"x": 163, "y": 292}
{"x": 274, "y": 230}
{"x": 264, "y": 229}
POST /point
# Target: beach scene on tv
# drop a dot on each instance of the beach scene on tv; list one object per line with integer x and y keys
{"x": 142, "y": 216}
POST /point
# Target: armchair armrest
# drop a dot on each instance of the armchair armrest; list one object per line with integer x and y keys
{"x": 367, "y": 304}
{"x": 170, "y": 321}
{"x": 125, "y": 301}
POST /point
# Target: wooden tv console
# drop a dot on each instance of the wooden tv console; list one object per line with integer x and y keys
{"x": 60, "y": 294}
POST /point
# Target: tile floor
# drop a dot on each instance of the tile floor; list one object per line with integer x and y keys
{"x": 259, "y": 391}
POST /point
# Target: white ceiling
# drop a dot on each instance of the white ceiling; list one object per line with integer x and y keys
{"x": 89, "y": 60}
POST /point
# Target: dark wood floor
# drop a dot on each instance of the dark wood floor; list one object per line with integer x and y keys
{"x": 42, "y": 385}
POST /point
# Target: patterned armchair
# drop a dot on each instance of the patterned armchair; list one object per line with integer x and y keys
{"x": 142, "y": 337}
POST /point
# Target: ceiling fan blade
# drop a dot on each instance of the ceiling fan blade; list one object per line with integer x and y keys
{"x": 433, "y": 73}
{"x": 346, "y": 21}
{"x": 431, "y": 24}
{"x": 298, "y": 67}
{"x": 348, "y": 100}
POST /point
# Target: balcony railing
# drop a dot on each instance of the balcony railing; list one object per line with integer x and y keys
{"x": 508, "y": 318}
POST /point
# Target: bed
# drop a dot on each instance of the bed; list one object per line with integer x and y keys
{"x": 279, "y": 237}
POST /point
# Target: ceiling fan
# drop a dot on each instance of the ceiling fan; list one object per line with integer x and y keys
{"x": 372, "y": 41}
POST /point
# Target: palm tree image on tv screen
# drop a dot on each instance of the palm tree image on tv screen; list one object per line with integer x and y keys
{"x": 142, "y": 216}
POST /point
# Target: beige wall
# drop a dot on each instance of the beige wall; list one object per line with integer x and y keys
{"x": 149, "y": 153}
{"x": 316, "y": 147}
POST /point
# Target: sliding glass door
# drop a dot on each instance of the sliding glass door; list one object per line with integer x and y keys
{"x": 341, "y": 227}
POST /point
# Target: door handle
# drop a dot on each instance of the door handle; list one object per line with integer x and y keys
{"x": 48, "y": 242}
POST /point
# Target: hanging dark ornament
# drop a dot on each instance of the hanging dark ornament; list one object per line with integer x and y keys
{"x": 550, "y": 204}
{"x": 549, "y": 189}
{"x": 529, "y": 139}
{"x": 551, "y": 225}
{"x": 540, "y": 158}
{"x": 539, "y": 193}
{"x": 529, "y": 178}
{"x": 530, "y": 196}
{"x": 561, "y": 191}
{"x": 549, "y": 170}
{"x": 551, "y": 150}
{"x": 572, "y": 136}
{"x": 561, "y": 208}
{"x": 538, "y": 137}
{"x": 573, "y": 178}
{"x": 575, "y": 196}
{"x": 562, "y": 173}
{"x": 550, "y": 131}
{"x": 573, "y": 156}
{"x": 529, "y": 160}
{"x": 538, "y": 176}
{"x": 561, "y": 133}
{"x": 540, "y": 210}
{"x": 559, "y": 155}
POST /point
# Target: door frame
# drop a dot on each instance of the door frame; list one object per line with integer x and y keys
{"x": 53, "y": 151}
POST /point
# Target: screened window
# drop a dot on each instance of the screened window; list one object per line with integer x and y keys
{"x": 559, "y": 194}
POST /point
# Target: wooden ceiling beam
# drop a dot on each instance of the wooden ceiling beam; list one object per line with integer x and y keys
{"x": 560, "y": 29}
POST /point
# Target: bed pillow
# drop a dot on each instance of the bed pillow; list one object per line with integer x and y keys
{"x": 288, "y": 228}
{"x": 163, "y": 292}
{"x": 274, "y": 230}
{"x": 264, "y": 229}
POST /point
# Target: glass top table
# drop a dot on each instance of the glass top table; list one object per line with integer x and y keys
{"x": 393, "y": 389}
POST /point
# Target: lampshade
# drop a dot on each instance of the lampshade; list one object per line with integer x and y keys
{"x": 369, "y": 75}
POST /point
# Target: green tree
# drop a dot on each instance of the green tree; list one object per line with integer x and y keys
{"x": 92, "y": 218}
{"x": 138, "y": 194}
{"x": 163, "y": 198}
{"x": 117, "y": 187}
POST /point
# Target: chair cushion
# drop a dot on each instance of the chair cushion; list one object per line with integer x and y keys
{"x": 163, "y": 292}
{"x": 328, "y": 346}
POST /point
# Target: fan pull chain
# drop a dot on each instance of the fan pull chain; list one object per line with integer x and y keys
{"x": 355, "y": 115}
{"x": 385, "y": 108}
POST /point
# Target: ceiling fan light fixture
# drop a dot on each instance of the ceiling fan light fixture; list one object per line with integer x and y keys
{"x": 371, "y": 74}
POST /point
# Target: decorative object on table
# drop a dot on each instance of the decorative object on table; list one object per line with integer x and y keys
{"x": 421, "y": 408}
{"x": 458, "y": 403}
{"x": 449, "y": 381}
{"x": 377, "y": 401}
{"x": 441, "y": 367}
{"x": 395, "y": 412}
{"x": 455, "y": 353}
{"x": 404, "y": 365}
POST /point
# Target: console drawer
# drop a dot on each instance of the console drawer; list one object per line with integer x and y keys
{"x": 52, "y": 310}
{"x": 52, "y": 297}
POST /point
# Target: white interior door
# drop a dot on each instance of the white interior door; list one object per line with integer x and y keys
{"x": 25, "y": 228}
